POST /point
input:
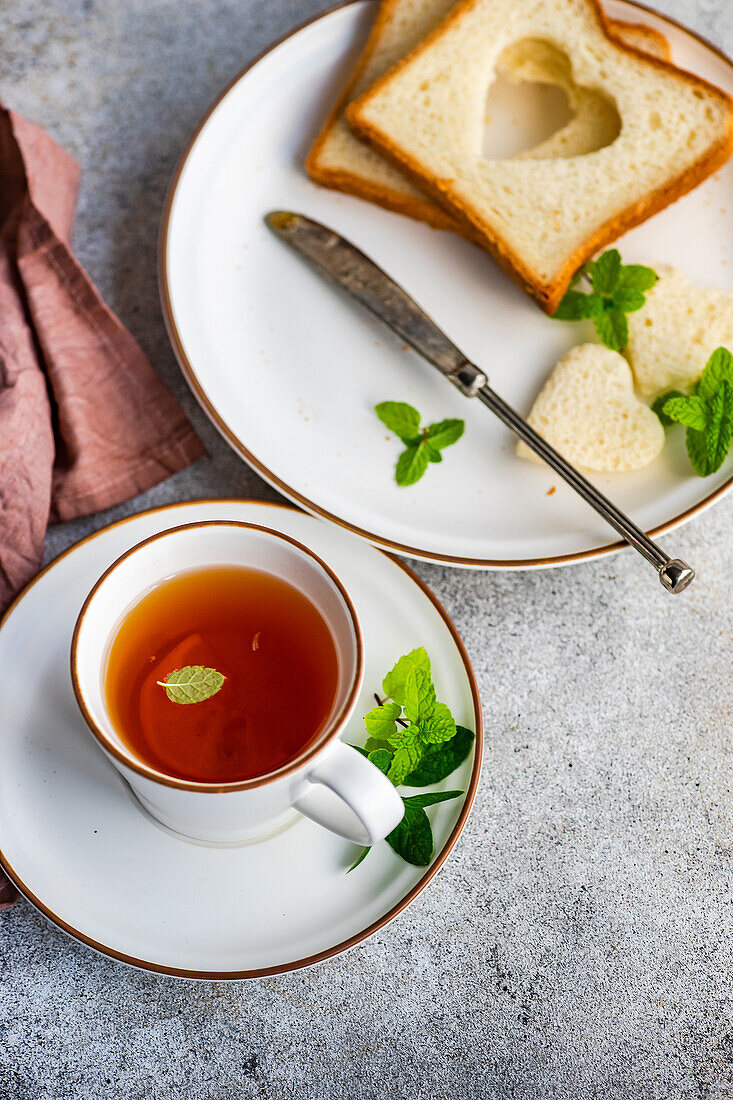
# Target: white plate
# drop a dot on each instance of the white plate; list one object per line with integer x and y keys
{"x": 289, "y": 370}
{"x": 86, "y": 856}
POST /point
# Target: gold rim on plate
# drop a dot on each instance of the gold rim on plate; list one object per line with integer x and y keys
{"x": 358, "y": 937}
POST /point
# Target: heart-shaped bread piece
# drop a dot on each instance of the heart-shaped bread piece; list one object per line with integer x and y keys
{"x": 672, "y": 337}
{"x": 588, "y": 411}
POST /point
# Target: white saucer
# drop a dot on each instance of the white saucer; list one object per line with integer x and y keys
{"x": 79, "y": 848}
{"x": 289, "y": 369}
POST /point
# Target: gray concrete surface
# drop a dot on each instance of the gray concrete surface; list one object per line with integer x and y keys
{"x": 578, "y": 943}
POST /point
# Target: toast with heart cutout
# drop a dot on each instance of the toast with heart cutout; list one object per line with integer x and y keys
{"x": 339, "y": 159}
{"x": 541, "y": 219}
{"x": 588, "y": 411}
{"x": 674, "y": 334}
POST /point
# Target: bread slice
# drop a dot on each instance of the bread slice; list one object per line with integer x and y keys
{"x": 543, "y": 218}
{"x": 672, "y": 337}
{"x": 640, "y": 37}
{"x": 589, "y": 412}
{"x": 339, "y": 159}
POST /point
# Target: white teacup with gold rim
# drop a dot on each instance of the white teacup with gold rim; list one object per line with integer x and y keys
{"x": 325, "y": 780}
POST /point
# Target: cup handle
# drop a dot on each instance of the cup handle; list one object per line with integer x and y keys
{"x": 367, "y": 806}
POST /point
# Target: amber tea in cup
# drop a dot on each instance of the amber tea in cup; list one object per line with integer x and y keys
{"x": 265, "y": 637}
{"x": 259, "y": 740}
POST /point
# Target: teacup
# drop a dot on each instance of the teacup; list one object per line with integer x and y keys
{"x": 329, "y": 782}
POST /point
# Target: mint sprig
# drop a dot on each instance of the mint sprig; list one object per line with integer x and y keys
{"x": 414, "y": 740}
{"x": 706, "y": 413}
{"x": 422, "y": 445}
{"x": 616, "y": 289}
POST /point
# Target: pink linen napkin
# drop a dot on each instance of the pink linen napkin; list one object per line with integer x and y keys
{"x": 85, "y": 421}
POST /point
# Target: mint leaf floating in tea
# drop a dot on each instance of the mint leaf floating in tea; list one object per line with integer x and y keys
{"x": 615, "y": 290}
{"x": 414, "y": 739}
{"x": 422, "y": 445}
{"x": 192, "y": 684}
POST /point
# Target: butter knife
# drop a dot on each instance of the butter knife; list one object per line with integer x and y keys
{"x": 342, "y": 263}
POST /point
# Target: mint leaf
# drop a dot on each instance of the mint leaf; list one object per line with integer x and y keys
{"x": 362, "y": 855}
{"x": 691, "y": 411}
{"x": 381, "y": 759}
{"x": 439, "y": 725}
{"x": 576, "y": 306}
{"x": 708, "y": 449}
{"x": 431, "y": 799}
{"x": 719, "y": 368}
{"x": 612, "y": 328}
{"x": 628, "y": 300}
{"x": 396, "y": 678}
{"x": 381, "y": 721}
{"x": 400, "y": 418}
{"x": 411, "y": 465}
{"x": 192, "y": 684}
{"x": 374, "y": 743}
{"x": 413, "y": 462}
{"x": 441, "y": 761}
{"x": 444, "y": 433}
{"x": 423, "y": 445}
{"x": 413, "y": 837}
{"x": 660, "y": 402}
{"x": 418, "y": 696}
{"x": 707, "y": 413}
{"x": 407, "y": 745}
{"x": 635, "y": 277}
{"x": 604, "y": 271}
{"x": 432, "y": 452}
{"x": 697, "y": 451}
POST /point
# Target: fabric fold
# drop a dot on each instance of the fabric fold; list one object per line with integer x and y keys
{"x": 85, "y": 420}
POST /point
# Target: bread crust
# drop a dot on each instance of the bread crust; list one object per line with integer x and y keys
{"x": 352, "y": 184}
{"x": 427, "y": 211}
{"x": 617, "y": 28}
{"x": 548, "y": 295}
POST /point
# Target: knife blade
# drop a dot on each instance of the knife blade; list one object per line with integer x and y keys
{"x": 342, "y": 263}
